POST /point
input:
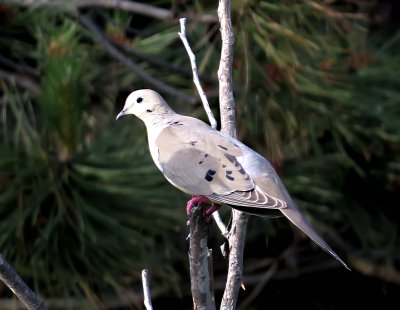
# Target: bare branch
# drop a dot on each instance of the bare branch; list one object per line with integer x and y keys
{"x": 146, "y": 289}
{"x": 203, "y": 297}
{"x": 102, "y": 39}
{"x": 125, "y": 5}
{"x": 237, "y": 234}
{"x": 221, "y": 225}
{"x": 226, "y": 101}
{"x": 237, "y": 237}
{"x": 206, "y": 105}
{"x": 9, "y": 276}
{"x": 196, "y": 80}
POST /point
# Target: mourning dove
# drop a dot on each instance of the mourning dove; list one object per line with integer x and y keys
{"x": 212, "y": 166}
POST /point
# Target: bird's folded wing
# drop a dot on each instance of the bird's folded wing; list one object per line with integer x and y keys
{"x": 199, "y": 160}
{"x": 202, "y": 161}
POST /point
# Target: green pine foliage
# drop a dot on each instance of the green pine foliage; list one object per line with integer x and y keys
{"x": 77, "y": 204}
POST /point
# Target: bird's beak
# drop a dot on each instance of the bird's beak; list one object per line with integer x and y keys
{"x": 122, "y": 113}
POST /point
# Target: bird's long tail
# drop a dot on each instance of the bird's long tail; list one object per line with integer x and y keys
{"x": 294, "y": 215}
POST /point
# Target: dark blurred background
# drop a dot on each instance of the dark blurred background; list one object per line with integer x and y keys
{"x": 83, "y": 208}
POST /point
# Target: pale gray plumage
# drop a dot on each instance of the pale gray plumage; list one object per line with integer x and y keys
{"x": 202, "y": 161}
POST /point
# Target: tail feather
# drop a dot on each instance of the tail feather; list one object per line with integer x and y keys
{"x": 294, "y": 215}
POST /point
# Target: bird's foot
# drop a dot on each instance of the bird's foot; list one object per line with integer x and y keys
{"x": 199, "y": 200}
{"x": 195, "y": 201}
{"x": 207, "y": 213}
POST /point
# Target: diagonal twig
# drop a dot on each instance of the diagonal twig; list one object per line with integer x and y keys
{"x": 196, "y": 80}
{"x": 9, "y": 276}
{"x": 206, "y": 105}
{"x": 102, "y": 39}
{"x": 171, "y": 67}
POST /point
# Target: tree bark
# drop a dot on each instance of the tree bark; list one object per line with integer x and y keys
{"x": 237, "y": 234}
{"x": 200, "y": 279}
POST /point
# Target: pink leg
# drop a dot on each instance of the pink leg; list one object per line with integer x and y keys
{"x": 194, "y": 201}
{"x": 208, "y": 212}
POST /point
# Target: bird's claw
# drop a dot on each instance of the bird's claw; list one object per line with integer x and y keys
{"x": 199, "y": 200}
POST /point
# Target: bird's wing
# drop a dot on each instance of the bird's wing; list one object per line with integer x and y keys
{"x": 202, "y": 161}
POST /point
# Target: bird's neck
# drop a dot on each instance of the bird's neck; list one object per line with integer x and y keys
{"x": 154, "y": 125}
{"x": 158, "y": 121}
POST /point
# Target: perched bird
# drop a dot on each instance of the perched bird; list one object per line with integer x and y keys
{"x": 212, "y": 166}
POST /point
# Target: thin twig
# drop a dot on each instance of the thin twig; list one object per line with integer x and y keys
{"x": 171, "y": 67}
{"x": 221, "y": 225}
{"x": 125, "y": 5}
{"x": 206, "y": 105}
{"x": 192, "y": 57}
{"x": 237, "y": 234}
{"x": 102, "y": 39}
{"x": 146, "y": 289}
{"x": 10, "y": 277}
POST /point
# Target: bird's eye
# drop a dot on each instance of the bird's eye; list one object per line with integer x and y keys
{"x": 139, "y": 99}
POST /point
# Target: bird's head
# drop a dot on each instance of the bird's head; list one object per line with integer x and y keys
{"x": 145, "y": 103}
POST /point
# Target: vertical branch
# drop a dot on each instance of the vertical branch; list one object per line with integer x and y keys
{"x": 236, "y": 239}
{"x": 201, "y": 283}
{"x": 226, "y": 101}
{"x": 237, "y": 234}
{"x": 18, "y": 286}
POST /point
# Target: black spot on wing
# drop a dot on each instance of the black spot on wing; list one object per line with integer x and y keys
{"x": 193, "y": 143}
{"x": 229, "y": 177}
{"x": 233, "y": 160}
{"x": 209, "y": 175}
{"x": 200, "y": 162}
{"x": 222, "y": 147}
{"x": 241, "y": 171}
